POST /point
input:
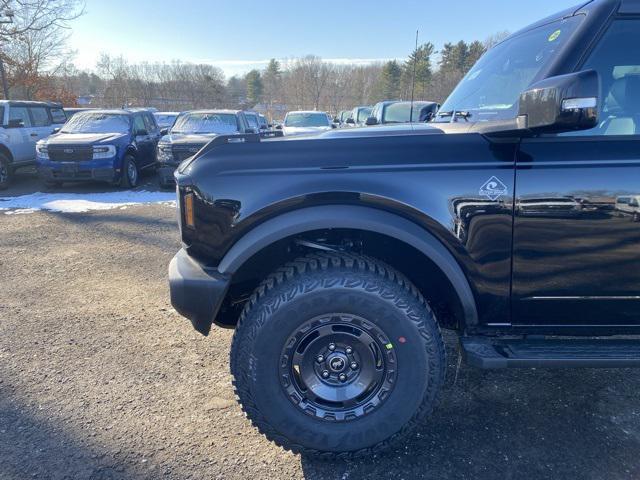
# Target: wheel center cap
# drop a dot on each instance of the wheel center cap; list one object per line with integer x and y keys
{"x": 337, "y": 362}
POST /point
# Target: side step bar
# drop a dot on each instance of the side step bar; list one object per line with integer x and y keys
{"x": 489, "y": 353}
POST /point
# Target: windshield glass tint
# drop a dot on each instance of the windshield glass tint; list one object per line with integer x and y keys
{"x": 363, "y": 114}
{"x": 306, "y": 120}
{"x": 221, "y": 123}
{"x": 491, "y": 89}
{"x": 92, "y": 122}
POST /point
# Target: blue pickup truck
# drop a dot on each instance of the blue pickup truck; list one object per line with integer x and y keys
{"x": 113, "y": 146}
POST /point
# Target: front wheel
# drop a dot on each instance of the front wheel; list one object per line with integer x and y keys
{"x": 337, "y": 355}
{"x": 5, "y": 172}
{"x": 130, "y": 173}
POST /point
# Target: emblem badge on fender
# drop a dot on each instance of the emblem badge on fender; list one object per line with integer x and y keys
{"x": 493, "y": 189}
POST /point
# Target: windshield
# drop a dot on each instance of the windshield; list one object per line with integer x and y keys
{"x": 220, "y": 123}
{"x": 307, "y": 120}
{"x": 363, "y": 114}
{"x": 491, "y": 89}
{"x": 399, "y": 112}
{"x": 95, "y": 122}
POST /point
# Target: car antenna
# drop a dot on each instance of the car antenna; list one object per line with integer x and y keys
{"x": 413, "y": 79}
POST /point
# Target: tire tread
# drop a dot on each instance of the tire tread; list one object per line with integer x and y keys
{"x": 263, "y": 300}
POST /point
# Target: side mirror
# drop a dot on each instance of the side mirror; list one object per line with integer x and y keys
{"x": 278, "y": 127}
{"x": 164, "y": 131}
{"x": 561, "y": 104}
{"x": 141, "y": 133}
{"x": 333, "y": 125}
{"x": 371, "y": 121}
{"x": 15, "y": 123}
{"x": 55, "y": 130}
{"x": 270, "y": 125}
{"x": 351, "y": 121}
{"x": 250, "y": 130}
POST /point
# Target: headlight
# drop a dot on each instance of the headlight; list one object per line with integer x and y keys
{"x": 165, "y": 153}
{"x": 42, "y": 152}
{"x": 104, "y": 151}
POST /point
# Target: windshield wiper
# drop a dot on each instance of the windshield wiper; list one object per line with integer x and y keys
{"x": 454, "y": 114}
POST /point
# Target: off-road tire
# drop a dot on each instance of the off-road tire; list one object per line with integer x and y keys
{"x": 329, "y": 282}
{"x": 125, "y": 180}
{"x": 5, "y": 172}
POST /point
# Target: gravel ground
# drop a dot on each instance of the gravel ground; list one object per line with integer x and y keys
{"x": 101, "y": 379}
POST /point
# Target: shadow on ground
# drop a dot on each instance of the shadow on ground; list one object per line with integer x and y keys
{"x": 35, "y": 448}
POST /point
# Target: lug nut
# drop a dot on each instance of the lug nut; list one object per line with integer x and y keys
{"x": 349, "y": 350}
{"x": 332, "y": 346}
{"x": 325, "y": 374}
{"x": 342, "y": 377}
{"x": 320, "y": 358}
{"x": 354, "y": 366}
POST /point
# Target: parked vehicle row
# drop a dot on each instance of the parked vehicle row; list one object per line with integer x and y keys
{"x": 110, "y": 145}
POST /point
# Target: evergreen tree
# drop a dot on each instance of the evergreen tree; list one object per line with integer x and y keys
{"x": 254, "y": 86}
{"x": 420, "y": 59}
{"x": 389, "y": 81}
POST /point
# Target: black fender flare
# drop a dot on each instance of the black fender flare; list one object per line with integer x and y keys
{"x": 359, "y": 218}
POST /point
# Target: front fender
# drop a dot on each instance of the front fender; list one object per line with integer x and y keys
{"x": 359, "y": 218}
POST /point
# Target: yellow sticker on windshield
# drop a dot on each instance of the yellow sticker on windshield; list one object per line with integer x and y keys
{"x": 554, "y": 36}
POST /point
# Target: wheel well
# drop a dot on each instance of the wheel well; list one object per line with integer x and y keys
{"x": 6, "y": 152}
{"x": 424, "y": 273}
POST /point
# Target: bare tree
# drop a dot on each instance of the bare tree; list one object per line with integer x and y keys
{"x": 33, "y": 45}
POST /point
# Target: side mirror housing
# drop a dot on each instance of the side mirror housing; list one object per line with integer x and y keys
{"x": 278, "y": 127}
{"x": 561, "y": 104}
{"x": 164, "y": 131}
{"x": 371, "y": 121}
{"x": 15, "y": 123}
{"x": 351, "y": 121}
{"x": 55, "y": 130}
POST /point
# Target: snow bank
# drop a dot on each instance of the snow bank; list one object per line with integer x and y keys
{"x": 82, "y": 202}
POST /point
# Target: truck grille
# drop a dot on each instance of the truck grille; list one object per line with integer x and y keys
{"x": 70, "y": 153}
{"x": 181, "y": 152}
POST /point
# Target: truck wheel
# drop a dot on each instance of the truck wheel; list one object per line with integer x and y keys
{"x": 130, "y": 173}
{"x": 337, "y": 355}
{"x": 5, "y": 172}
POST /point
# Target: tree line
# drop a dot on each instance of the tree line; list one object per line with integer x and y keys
{"x": 39, "y": 66}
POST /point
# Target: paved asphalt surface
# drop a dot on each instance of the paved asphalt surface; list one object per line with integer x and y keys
{"x": 101, "y": 379}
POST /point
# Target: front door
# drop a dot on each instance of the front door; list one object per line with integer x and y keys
{"x": 144, "y": 141}
{"x": 576, "y": 251}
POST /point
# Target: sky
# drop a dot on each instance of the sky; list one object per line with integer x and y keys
{"x": 238, "y": 35}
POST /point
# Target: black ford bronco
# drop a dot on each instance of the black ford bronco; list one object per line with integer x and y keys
{"x": 339, "y": 258}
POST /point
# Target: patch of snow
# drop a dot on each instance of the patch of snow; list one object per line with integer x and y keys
{"x": 82, "y": 202}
